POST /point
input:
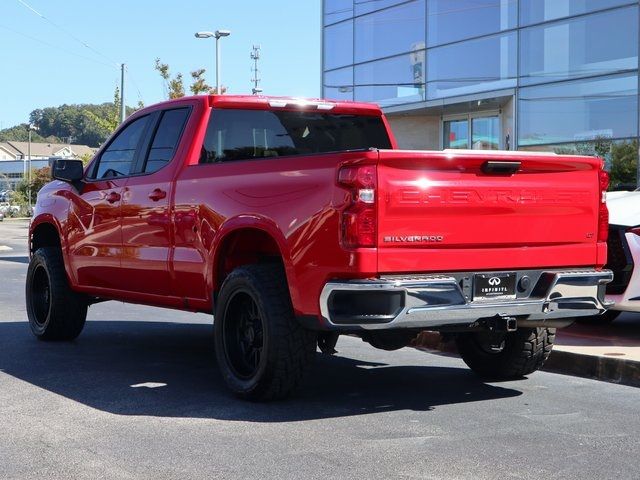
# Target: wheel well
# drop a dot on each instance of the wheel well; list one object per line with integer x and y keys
{"x": 45, "y": 235}
{"x": 244, "y": 247}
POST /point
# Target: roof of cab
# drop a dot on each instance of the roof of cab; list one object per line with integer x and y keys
{"x": 261, "y": 102}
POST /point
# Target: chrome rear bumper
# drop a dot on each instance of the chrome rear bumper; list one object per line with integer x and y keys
{"x": 438, "y": 301}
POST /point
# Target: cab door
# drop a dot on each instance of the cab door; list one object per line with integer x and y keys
{"x": 146, "y": 207}
{"x": 95, "y": 237}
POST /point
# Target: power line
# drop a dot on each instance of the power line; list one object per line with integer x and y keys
{"x": 81, "y": 42}
{"x": 17, "y": 32}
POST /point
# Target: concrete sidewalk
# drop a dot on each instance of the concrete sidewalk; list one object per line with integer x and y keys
{"x": 609, "y": 352}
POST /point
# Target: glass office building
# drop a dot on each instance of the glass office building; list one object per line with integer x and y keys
{"x": 555, "y": 75}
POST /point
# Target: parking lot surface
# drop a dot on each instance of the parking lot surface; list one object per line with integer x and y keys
{"x": 138, "y": 396}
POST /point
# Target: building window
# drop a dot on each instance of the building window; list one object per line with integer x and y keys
{"x": 389, "y": 32}
{"x": 391, "y": 81}
{"x": 338, "y": 45}
{"x": 338, "y": 84}
{"x": 605, "y": 107}
{"x": 367, "y": 6}
{"x": 537, "y": 11}
{"x": 449, "y": 21}
{"x": 337, "y": 10}
{"x": 483, "y": 64}
{"x": 603, "y": 43}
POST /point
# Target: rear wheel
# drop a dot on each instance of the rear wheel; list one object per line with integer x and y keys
{"x": 506, "y": 355}
{"x": 55, "y": 311}
{"x": 262, "y": 350}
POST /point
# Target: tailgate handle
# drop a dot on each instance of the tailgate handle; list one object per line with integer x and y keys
{"x": 500, "y": 168}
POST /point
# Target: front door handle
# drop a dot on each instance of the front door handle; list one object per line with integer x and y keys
{"x": 113, "y": 197}
{"x": 157, "y": 194}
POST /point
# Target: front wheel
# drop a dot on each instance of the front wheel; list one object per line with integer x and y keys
{"x": 504, "y": 356}
{"x": 262, "y": 350}
{"x": 55, "y": 311}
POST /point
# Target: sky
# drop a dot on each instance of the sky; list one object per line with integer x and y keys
{"x": 74, "y": 56}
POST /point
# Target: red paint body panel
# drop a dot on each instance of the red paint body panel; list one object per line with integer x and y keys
{"x": 169, "y": 251}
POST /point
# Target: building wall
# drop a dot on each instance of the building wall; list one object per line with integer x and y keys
{"x": 416, "y": 132}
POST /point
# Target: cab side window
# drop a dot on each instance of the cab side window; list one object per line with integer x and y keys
{"x": 166, "y": 139}
{"x": 118, "y": 158}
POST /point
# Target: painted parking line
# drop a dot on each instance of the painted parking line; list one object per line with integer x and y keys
{"x": 4, "y": 248}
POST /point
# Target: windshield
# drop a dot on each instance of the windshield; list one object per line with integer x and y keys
{"x": 248, "y": 134}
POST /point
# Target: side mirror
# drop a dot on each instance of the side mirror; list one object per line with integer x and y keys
{"x": 70, "y": 171}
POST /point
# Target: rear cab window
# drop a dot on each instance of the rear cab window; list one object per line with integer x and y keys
{"x": 252, "y": 134}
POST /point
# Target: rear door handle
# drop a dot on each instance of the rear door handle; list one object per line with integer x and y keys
{"x": 113, "y": 197}
{"x": 157, "y": 194}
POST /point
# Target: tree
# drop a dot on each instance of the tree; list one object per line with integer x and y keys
{"x": 20, "y": 133}
{"x": 624, "y": 163}
{"x": 39, "y": 178}
{"x": 110, "y": 118}
{"x": 199, "y": 84}
{"x": 174, "y": 85}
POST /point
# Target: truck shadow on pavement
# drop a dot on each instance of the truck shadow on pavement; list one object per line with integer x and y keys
{"x": 168, "y": 370}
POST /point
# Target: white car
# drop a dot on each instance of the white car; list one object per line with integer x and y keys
{"x": 623, "y": 253}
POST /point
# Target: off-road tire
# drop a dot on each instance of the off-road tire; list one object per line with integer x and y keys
{"x": 55, "y": 311}
{"x": 524, "y": 352}
{"x": 604, "y": 319}
{"x": 287, "y": 348}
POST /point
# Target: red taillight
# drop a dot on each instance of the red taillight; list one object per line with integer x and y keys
{"x": 634, "y": 230}
{"x": 603, "y": 214}
{"x": 359, "y": 218}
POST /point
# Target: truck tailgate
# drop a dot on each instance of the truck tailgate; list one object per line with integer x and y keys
{"x": 447, "y": 211}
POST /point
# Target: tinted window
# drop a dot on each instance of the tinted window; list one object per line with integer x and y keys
{"x": 166, "y": 139}
{"x": 338, "y": 45}
{"x": 605, "y": 107}
{"x": 569, "y": 48}
{"x": 535, "y": 11}
{"x": 391, "y": 81}
{"x": 117, "y": 159}
{"x": 366, "y": 6}
{"x": 452, "y": 21}
{"x": 391, "y": 31}
{"x": 488, "y": 63}
{"x": 336, "y": 10}
{"x": 247, "y": 134}
{"x": 338, "y": 84}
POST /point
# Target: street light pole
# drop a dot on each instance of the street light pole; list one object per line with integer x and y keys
{"x": 218, "y": 34}
{"x": 217, "y": 64}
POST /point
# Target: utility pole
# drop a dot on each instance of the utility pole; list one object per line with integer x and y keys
{"x": 255, "y": 56}
{"x": 123, "y": 109}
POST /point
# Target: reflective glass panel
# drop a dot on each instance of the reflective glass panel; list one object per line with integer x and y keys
{"x": 567, "y": 49}
{"x": 338, "y": 45}
{"x": 536, "y": 11}
{"x": 338, "y": 84}
{"x": 366, "y": 6}
{"x": 485, "y": 133}
{"x": 456, "y": 134}
{"x": 388, "y": 32}
{"x": 579, "y": 110}
{"x": 449, "y": 21}
{"x": 391, "y": 81}
{"x": 476, "y": 65}
{"x": 337, "y": 10}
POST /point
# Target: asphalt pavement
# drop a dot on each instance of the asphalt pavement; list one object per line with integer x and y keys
{"x": 138, "y": 396}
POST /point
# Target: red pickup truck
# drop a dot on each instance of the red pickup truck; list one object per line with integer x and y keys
{"x": 294, "y": 221}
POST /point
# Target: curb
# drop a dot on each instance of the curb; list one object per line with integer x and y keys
{"x": 608, "y": 369}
